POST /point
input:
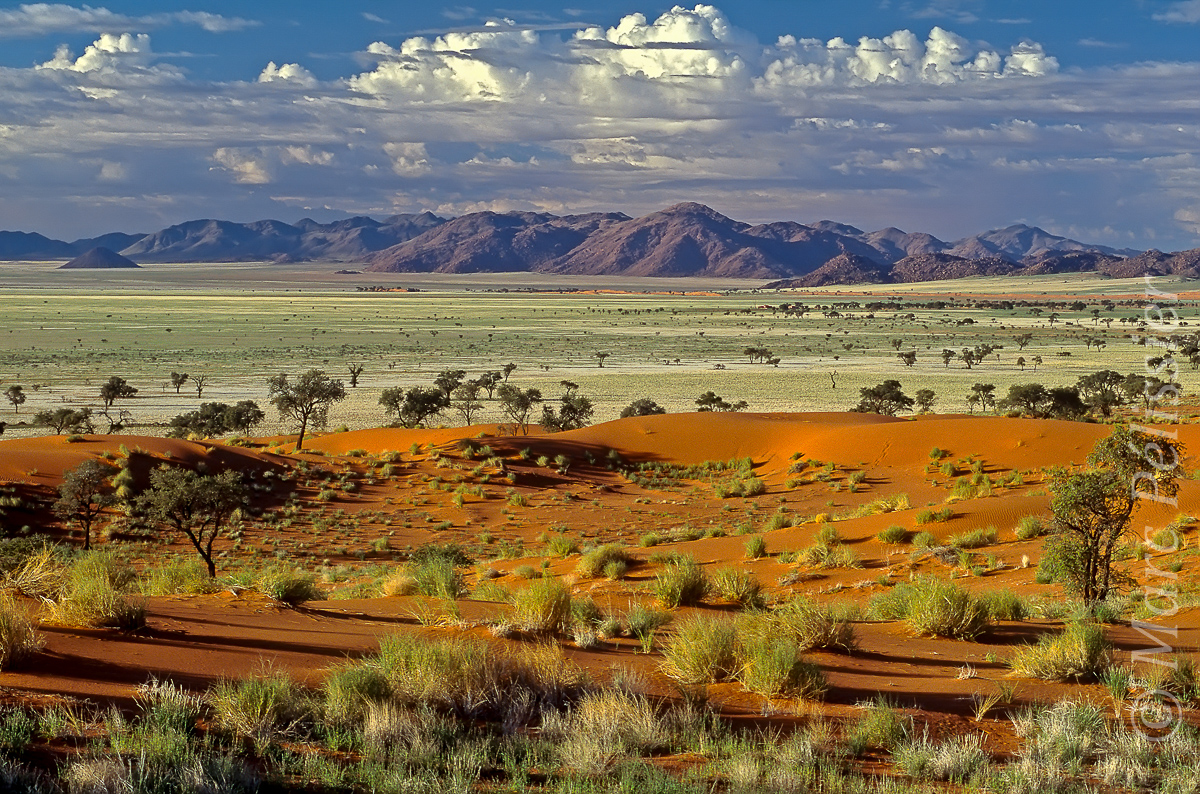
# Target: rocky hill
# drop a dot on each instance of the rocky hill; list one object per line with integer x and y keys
{"x": 687, "y": 239}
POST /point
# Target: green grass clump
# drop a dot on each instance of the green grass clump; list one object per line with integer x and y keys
{"x": 1005, "y": 605}
{"x": 544, "y": 606}
{"x": 680, "y": 582}
{"x": 740, "y": 587}
{"x": 975, "y": 538}
{"x": 880, "y": 725}
{"x": 437, "y": 577}
{"x": 702, "y": 651}
{"x": 756, "y": 547}
{"x": 935, "y": 516}
{"x": 260, "y": 708}
{"x": 1030, "y": 527}
{"x": 19, "y": 640}
{"x": 893, "y": 534}
{"x": 593, "y": 563}
{"x": 932, "y": 606}
{"x": 816, "y": 626}
{"x": 177, "y": 578}
{"x": 349, "y": 689}
{"x": 94, "y": 592}
{"x": 561, "y": 546}
{"x": 649, "y": 539}
{"x": 773, "y": 666}
{"x": 290, "y": 587}
{"x": 924, "y": 540}
{"x": 1079, "y": 652}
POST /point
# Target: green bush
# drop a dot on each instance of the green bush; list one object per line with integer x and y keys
{"x": 437, "y": 577}
{"x": 561, "y": 546}
{"x": 893, "y": 534}
{"x": 594, "y": 562}
{"x": 1005, "y": 605}
{"x": 880, "y": 725}
{"x": 1030, "y": 527}
{"x": 740, "y": 587}
{"x": 350, "y": 688}
{"x": 94, "y": 593}
{"x": 924, "y": 540}
{"x": 772, "y": 666}
{"x": 259, "y": 708}
{"x": 290, "y": 587}
{"x": 975, "y": 538}
{"x": 543, "y": 606}
{"x": 177, "y": 578}
{"x": 702, "y": 651}
{"x": 816, "y": 626}
{"x": 756, "y": 547}
{"x": 680, "y": 582}
{"x": 642, "y": 621}
{"x": 18, "y": 638}
{"x": 1079, "y": 652}
{"x": 932, "y": 606}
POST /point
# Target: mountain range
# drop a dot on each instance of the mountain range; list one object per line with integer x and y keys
{"x": 687, "y": 239}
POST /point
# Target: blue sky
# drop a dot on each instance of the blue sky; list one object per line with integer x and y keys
{"x": 947, "y": 116}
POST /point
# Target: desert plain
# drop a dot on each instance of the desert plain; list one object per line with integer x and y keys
{"x": 483, "y": 607}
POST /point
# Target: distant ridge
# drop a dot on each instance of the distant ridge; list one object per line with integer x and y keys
{"x": 98, "y": 258}
{"x": 687, "y": 239}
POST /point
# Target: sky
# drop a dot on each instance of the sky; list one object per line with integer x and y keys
{"x": 944, "y": 116}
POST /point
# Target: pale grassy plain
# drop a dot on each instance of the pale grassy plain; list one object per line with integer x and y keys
{"x": 67, "y": 331}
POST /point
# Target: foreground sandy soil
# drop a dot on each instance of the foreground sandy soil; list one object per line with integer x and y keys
{"x": 436, "y": 491}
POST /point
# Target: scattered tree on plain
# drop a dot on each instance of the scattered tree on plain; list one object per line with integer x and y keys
{"x": 84, "y": 493}
{"x": 355, "y": 370}
{"x": 306, "y": 400}
{"x": 215, "y": 419}
{"x": 178, "y": 379}
{"x": 711, "y": 401}
{"x": 1093, "y": 509}
{"x": 600, "y": 358}
{"x": 465, "y": 400}
{"x": 66, "y": 420}
{"x": 573, "y": 413}
{"x": 115, "y": 389}
{"x": 924, "y": 400}
{"x": 16, "y": 395}
{"x": 413, "y": 407}
{"x": 517, "y": 404}
{"x": 886, "y": 399}
{"x": 200, "y": 381}
{"x": 198, "y": 506}
{"x": 642, "y": 407}
{"x": 448, "y": 380}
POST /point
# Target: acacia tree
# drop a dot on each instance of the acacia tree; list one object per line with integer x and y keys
{"x": 307, "y": 400}
{"x": 200, "y": 381}
{"x": 465, "y": 400}
{"x": 214, "y": 419}
{"x": 573, "y": 413}
{"x": 711, "y": 401}
{"x": 178, "y": 379}
{"x": 355, "y": 370}
{"x": 414, "y": 406}
{"x": 449, "y": 380}
{"x": 924, "y": 399}
{"x": 15, "y": 395}
{"x": 886, "y": 398}
{"x": 1092, "y": 509}
{"x": 198, "y": 506}
{"x": 643, "y": 406}
{"x": 84, "y": 493}
{"x": 517, "y": 404}
{"x": 66, "y": 420}
{"x": 115, "y": 389}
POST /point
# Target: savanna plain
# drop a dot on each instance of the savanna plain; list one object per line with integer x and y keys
{"x": 790, "y": 597}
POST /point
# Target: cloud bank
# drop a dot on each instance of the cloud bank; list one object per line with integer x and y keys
{"x": 930, "y": 131}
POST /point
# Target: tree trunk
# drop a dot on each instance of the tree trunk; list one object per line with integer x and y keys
{"x": 303, "y": 427}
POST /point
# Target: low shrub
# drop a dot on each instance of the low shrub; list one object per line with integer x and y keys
{"x": 562, "y": 546}
{"x": 880, "y": 725}
{"x": 773, "y": 666}
{"x": 18, "y": 638}
{"x": 932, "y": 606}
{"x": 816, "y": 626}
{"x": 924, "y": 540}
{"x": 350, "y": 688}
{"x": 1005, "y": 605}
{"x": 593, "y": 563}
{"x": 740, "y": 587}
{"x": 1029, "y": 527}
{"x": 680, "y": 582}
{"x": 94, "y": 593}
{"x": 435, "y": 577}
{"x": 177, "y": 578}
{"x": 543, "y": 606}
{"x": 975, "y": 538}
{"x": 260, "y": 708}
{"x": 756, "y": 547}
{"x": 288, "y": 586}
{"x": 1079, "y": 652}
{"x": 893, "y": 534}
{"x": 702, "y": 651}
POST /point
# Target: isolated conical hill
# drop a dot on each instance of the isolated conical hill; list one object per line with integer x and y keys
{"x": 98, "y": 258}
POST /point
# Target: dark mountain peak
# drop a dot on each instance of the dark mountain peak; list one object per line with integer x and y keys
{"x": 694, "y": 209}
{"x": 843, "y": 229}
{"x": 98, "y": 258}
{"x": 841, "y": 269}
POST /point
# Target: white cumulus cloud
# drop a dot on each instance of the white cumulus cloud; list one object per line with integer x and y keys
{"x": 289, "y": 73}
{"x": 38, "y": 19}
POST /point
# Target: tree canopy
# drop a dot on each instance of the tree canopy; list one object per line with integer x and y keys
{"x": 306, "y": 400}
{"x": 886, "y": 398}
{"x": 197, "y": 505}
